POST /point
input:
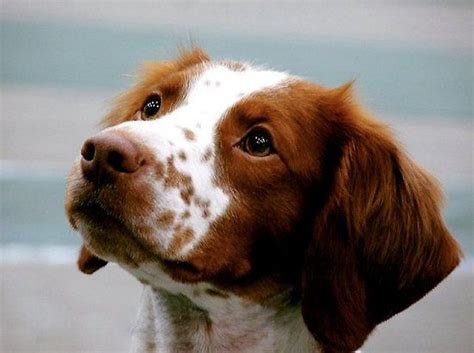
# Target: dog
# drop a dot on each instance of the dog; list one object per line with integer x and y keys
{"x": 262, "y": 212}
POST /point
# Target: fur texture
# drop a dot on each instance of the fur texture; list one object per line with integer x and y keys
{"x": 305, "y": 248}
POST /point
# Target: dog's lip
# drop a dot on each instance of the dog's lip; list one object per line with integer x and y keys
{"x": 94, "y": 212}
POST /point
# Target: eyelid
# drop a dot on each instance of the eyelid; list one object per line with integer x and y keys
{"x": 258, "y": 124}
{"x": 241, "y": 137}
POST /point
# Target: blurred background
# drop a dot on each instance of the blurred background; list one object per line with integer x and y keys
{"x": 63, "y": 61}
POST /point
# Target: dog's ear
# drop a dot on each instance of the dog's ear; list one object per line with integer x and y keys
{"x": 379, "y": 243}
{"x": 88, "y": 262}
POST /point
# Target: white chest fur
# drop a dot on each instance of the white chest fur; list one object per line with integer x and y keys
{"x": 169, "y": 322}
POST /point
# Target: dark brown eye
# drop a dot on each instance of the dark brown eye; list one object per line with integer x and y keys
{"x": 258, "y": 143}
{"x": 152, "y": 106}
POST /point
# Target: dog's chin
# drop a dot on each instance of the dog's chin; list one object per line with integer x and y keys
{"x": 111, "y": 239}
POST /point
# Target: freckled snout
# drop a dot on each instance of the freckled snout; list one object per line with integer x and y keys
{"x": 108, "y": 155}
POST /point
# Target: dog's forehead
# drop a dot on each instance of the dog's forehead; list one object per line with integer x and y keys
{"x": 219, "y": 87}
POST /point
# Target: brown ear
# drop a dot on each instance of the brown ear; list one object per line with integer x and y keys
{"x": 379, "y": 243}
{"x": 89, "y": 263}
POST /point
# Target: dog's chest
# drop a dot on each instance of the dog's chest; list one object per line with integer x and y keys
{"x": 168, "y": 322}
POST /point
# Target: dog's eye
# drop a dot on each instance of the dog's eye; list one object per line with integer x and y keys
{"x": 258, "y": 143}
{"x": 152, "y": 106}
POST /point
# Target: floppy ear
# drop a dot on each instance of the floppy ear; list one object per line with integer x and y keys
{"x": 89, "y": 263}
{"x": 379, "y": 243}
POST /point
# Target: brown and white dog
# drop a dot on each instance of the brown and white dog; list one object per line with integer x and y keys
{"x": 263, "y": 213}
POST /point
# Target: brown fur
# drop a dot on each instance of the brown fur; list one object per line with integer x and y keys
{"x": 206, "y": 157}
{"x": 191, "y": 136}
{"x": 182, "y": 155}
{"x": 379, "y": 242}
{"x": 168, "y": 78}
{"x": 180, "y": 239}
{"x": 88, "y": 263}
{"x": 166, "y": 219}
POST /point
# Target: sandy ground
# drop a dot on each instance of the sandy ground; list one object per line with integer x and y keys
{"x": 54, "y": 308}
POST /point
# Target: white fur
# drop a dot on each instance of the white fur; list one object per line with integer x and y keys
{"x": 178, "y": 316}
{"x": 210, "y": 95}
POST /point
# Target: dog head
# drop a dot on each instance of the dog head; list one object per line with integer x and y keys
{"x": 260, "y": 182}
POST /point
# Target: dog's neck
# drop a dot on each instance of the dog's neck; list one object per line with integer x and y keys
{"x": 196, "y": 318}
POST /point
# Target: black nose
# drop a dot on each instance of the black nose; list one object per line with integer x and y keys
{"x": 108, "y": 155}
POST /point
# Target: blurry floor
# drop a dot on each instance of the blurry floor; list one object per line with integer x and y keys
{"x": 55, "y": 308}
{"x": 47, "y": 308}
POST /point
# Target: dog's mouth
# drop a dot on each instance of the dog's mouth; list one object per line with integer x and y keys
{"x": 117, "y": 224}
{"x": 109, "y": 235}
{"x": 112, "y": 233}
{"x": 95, "y": 214}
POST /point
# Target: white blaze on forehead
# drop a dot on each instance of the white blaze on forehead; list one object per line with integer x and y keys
{"x": 190, "y": 131}
{"x": 218, "y": 88}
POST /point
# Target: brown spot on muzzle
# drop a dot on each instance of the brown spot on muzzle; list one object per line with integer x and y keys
{"x": 190, "y": 135}
{"x": 166, "y": 219}
{"x": 187, "y": 193}
{"x": 174, "y": 178}
{"x": 182, "y": 155}
{"x": 204, "y": 205}
{"x": 177, "y": 179}
{"x": 181, "y": 237}
{"x": 186, "y": 214}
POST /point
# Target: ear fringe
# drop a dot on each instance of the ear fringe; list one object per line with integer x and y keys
{"x": 380, "y": 243}
{"x": 345, "y": 93}
{"x": 339, "y": 102}
{"x": 192, "y": 56}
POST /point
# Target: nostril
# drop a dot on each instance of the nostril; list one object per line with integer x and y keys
{"x": 88, "y": 151}
{"x": 117, "y": 161}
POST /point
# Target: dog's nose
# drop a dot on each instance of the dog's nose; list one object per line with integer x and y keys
{"x": 109, "y": 154}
